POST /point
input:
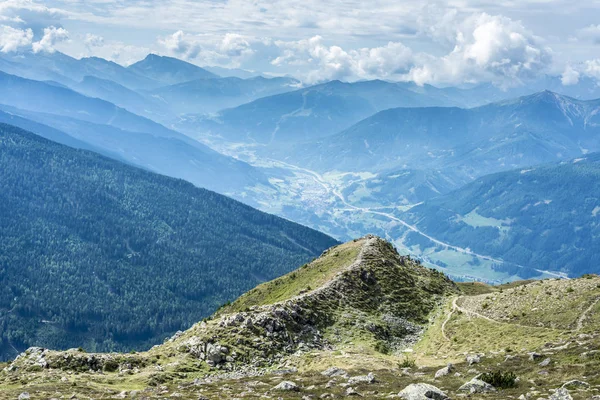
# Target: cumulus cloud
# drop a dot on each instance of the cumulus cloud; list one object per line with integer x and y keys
{"x": 590, "y": 33}
{"x": 333, "y": 62}
{"x": 52, "y": 36}
{"x": 181, "y": 45}
{"x": 570, "y": 76}
{"x": 229, "y": 49}
{"x": 487, "y": 49}
{"x": 31, "y": 14}
{"x": 92, "y": 41}
{"x": 12, "y": 39}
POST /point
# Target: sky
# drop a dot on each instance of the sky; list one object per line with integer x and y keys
{"x": 445, "y": 43}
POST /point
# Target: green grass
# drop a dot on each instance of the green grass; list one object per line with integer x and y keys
{"x": 305, "y": 279}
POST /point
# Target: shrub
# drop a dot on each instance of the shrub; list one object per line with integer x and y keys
{"x": 407, "y": 363}
{"x": 111, "y": 366}
{"x": 382, "y": 347}
{"x": 499, "y": 379}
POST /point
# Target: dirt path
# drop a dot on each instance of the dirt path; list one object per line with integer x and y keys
{"x": 584, "y": 315}
{"x": 448, "y": 319}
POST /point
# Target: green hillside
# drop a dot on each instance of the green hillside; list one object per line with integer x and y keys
{"x": 98, "y": 254}
{"x": 545, "y": 217}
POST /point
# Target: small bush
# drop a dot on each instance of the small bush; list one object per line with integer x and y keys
{"x": 111, "y": 366}
{"x": 570, "y": 289}
{"x": 485, "y": 306}
{"x": 407, "y": 363}
{"x": 382, "y": 348}
{"x": 499, "y": 379}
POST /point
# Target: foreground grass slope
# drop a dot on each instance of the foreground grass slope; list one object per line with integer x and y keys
{"x": 363, "y": 309}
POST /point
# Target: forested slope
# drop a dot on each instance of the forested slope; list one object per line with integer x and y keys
{"x": 99, "y": 254}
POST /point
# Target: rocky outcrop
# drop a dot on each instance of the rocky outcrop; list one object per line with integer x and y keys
{"x": 422, "y": 391}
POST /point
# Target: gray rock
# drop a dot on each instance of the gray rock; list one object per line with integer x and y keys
{"x": 575, "y": 384}
{"x": 24, "y": 396}
{"x": 477, "y": 386}
{"x": 534, "y": 356}
{"x": 334, "y": 371}
{"x": 422, "y": 391}
{"x": 444, "y": 371}
{"x": 561, "y": 394}
{"x": 287, "y": 386}
{"x": 350, "y": 391}
{"x": 545, "y": 363}
{"x": 370, "y": 378}
{"x": 473, "y": 359}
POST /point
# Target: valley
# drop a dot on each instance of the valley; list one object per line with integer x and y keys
{"x": 317, "y": 200}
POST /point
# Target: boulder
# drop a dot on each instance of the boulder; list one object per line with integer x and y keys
{"x": 545, "y": 363}
{"x": 477, "y": 386}
{"x": 24, "y": 396}
{"x": 444, "y": 371}
{"x": 350, "y": 391}
{"x": 287, "y": 386}
{"x": 334, "y": 371}
{"x": 574, "y": 384}
{"x": 422, "y": 391}
{"x": 370, "y": 378}
{"x": 473, "y": 359}
{"x": 561, "y": 394}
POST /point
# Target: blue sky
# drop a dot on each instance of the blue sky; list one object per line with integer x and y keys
{"x": 505, "y": 42}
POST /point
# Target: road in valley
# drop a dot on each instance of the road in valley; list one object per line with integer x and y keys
{"x": 330, "y": 189}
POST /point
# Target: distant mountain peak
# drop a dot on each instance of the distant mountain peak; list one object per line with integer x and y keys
{"x": 170, "y": 70}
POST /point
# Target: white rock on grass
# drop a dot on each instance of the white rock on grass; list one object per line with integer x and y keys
{"x": 477, "y": 386}
{"x": 334, "y": 371}
{"x": 473, "y": 359}
{"x": 287, "y": 386}
{"x": 370, "y": 378}
{"x": 444, "y": 371}
{"x": 561, "y": 394}
{"x": 422, "y": 391}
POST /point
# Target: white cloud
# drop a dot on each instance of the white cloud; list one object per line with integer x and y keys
{"x": 12, "y": 39}
{"x": 487, "y": 49}
{"x": 570, "y": 76}
{"x": 592, "y": 68}
{"x": 484, "y": 48}
{"x": 91, "y": 41}
{"x": 181, "y": 45}
{"x": 31, "y": 14}
{"x": 52, "y": 36}
{"x": 332, "y": 62}
{"x": 229, "y": 49}
{"x": 590, "y": 33}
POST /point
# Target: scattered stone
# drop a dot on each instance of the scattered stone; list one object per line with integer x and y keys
{"x": 422, "y": 391}
{"x": 350, "y": 391}
{"x": 575, "y": 384}
{"x": 370, "y": 378}
{"x": 334, "y": 371}
{"x": 545, "y": 363}
{"x": 287, "y": 386}
{"x": 477, "y": 386}
{"x": 473, "y": 359}
{"x": 444, "y": 371}
{"x": 534, "y": 356}
{"x": 561, "y": 394}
